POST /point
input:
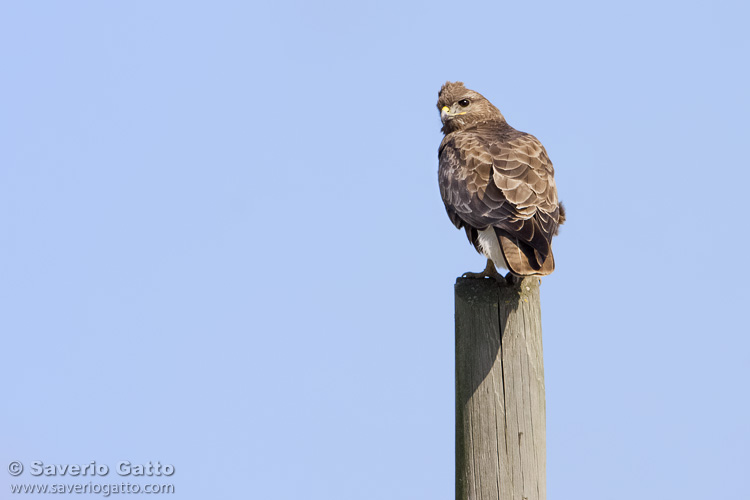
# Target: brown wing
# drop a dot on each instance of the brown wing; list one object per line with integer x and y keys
{"x": 504, "y": 179}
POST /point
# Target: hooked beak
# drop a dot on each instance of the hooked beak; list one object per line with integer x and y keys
{"x": 444, "y": 113}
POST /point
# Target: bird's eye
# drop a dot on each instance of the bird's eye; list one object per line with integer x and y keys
{"x": 463, "y": 103}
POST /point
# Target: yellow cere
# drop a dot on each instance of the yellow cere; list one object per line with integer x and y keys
{"x": 446, "y": 109}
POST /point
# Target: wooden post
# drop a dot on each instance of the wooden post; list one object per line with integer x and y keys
{"x": 500, "y": 410}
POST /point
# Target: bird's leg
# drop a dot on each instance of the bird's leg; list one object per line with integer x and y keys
{"x": 489, "y": 272}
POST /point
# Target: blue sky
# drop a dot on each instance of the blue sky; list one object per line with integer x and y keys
{"x": 222, "y": 244}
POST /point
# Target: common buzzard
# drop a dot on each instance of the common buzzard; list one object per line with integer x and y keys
{"x": 498, "y": 184}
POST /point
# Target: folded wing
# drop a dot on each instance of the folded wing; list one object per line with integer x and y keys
{"x": 503, "y": 180}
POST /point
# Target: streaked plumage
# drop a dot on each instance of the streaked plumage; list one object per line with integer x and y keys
{"x": 497, "y": 183}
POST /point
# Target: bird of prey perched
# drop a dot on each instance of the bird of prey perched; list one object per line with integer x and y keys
{"x": 498, "y": 184}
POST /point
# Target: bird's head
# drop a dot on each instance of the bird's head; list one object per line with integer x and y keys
{"x": 461, "y": 108}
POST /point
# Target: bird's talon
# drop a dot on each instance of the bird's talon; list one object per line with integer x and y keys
{"x": 489, "y": 272}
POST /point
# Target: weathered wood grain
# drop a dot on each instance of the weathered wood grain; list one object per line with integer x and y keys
{"x": 500, "y": 410}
